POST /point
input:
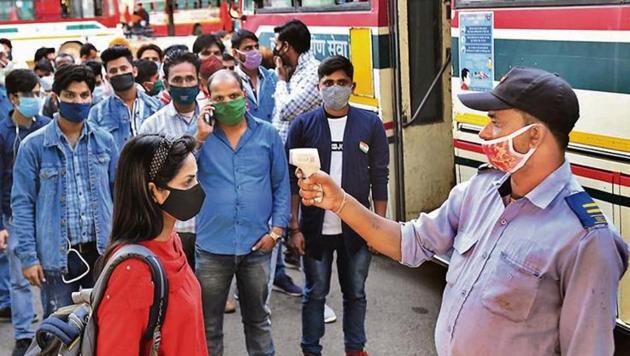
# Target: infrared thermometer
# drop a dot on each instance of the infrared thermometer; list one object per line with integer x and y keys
{"x": 307, "y": 160}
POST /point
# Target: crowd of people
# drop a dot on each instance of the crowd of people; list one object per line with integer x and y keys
{"x": 184, "y": 151}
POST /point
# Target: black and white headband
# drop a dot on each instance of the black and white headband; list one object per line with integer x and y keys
{"x": 159, "y": 158}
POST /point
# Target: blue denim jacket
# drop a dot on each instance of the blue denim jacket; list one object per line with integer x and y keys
{"x": 112, "y": 115}
{"x": 9, "y": 144}
{"x": 38, "y": 196}
{"x": 263, "y": 109}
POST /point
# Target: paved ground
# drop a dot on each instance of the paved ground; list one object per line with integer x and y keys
{"x": 402, "y": 309}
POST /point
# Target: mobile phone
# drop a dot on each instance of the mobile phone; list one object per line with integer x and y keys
{"x": 209, "y": 118}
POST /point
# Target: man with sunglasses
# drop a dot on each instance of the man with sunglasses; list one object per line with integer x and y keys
{"x": 353, "y": 149}
{"x": 24, "y": 92}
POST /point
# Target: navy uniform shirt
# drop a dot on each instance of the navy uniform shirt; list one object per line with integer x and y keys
{"x": 538, "y": 276}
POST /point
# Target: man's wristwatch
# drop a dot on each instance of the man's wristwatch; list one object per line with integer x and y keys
{"x": 274, "y": 236}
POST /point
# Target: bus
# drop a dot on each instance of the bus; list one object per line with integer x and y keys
{"x": 190, "y": 17}
{"x": 412, "y": 58}
{"x": 31, "y": 24}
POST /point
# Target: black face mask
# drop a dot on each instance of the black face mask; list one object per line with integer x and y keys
{"x": 122, "y": 82}
{"x": 184, "y": 204}
{"x": 276, "y": 51}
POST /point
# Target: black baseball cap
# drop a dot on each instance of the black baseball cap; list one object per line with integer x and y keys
{"x": 541, "y": 94}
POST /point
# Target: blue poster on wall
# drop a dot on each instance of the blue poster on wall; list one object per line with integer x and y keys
{"x": 476, "y": 50}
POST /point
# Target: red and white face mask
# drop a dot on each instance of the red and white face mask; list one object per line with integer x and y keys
{"x": 502, "y": 155}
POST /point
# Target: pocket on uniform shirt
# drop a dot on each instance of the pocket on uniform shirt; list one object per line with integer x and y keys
{"x": 511, "y": 289}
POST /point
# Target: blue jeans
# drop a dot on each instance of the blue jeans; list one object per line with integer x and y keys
{"x": 215, "y": 273}
{"x": 56, "y": 293}
{"x": 352, "y": 272}
{"x": 21, "y": 297}
{"x": 5, "y": 281}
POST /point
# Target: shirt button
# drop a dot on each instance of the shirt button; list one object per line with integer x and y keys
{"x": 503, "y": 222}
{"x": 463, "y": 293}
{"x": 448, "y": 328}
{"x": 484, "y": 255}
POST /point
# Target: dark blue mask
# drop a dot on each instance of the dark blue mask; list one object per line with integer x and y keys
{"x": 184, "y": 95}
{"x": 74, "y": 112}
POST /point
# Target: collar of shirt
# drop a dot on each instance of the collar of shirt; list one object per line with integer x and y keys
{"x": 303, "y": 60}
{"x": 545, "y": 192}
{"x": 11, "y": 124}
{"x": 54, "y": 135}
{"x": 251, "y": 127}
{"x": 62, "y": 137}
{"x": 172, "y": 112}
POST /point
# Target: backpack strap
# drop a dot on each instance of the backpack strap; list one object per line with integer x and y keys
{"x": 160, "y": 291}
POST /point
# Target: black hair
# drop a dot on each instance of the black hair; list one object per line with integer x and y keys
{"x": 95, "y": 67}
{"x": 44, "y": 65}
{"x": 146, "y": 70}
{"x": 241, "y": 35}
{"x": 206, "y": 41}
{"x": 136, "y": 216}
{"x": 181, "y": 57}
{"x": 6, "y": 42}
{"x": 70, "y": 73}
{"x": 113, "y": 53}
{"x": 222, "y": 73}
{"x": 86, "y": 49}
{"x": 21, "y": 81}
{"x": 42, "y": 52}
{"x": 334, "y": 63}
{"x": 465, "y": 72}
{"x": 228, "y": 57}
{"x": 172, "y": 49}
{"x": 296, "y": 34}
{"x": 150, "y": 47}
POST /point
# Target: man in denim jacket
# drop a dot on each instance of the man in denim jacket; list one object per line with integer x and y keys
{"x": 62, "y": 194}
{"x": 123, "y": 113}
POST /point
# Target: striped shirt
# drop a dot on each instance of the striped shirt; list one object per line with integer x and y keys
{"x": 298, "y": 96}
{"x": 173, "y": 124}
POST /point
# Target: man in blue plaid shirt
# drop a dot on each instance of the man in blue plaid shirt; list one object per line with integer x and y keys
{"x": 297, "y": 94}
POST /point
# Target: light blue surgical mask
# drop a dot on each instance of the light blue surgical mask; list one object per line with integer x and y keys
{"x": 29, "y": 107}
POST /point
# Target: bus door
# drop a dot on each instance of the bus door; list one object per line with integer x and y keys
{"x": 424, "y": 146}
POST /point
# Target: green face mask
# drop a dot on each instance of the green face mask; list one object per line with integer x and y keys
{"x": 230, "y": 113}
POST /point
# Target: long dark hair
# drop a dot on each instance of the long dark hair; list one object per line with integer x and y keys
{"x": 137, "y": 217}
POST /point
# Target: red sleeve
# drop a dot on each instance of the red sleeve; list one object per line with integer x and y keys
{"x": 124, "y": 311}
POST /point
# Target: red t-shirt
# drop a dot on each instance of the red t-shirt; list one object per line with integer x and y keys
{"x": 124, "y": 311}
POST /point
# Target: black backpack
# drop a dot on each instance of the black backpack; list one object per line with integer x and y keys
{"x": 71, "y": 330}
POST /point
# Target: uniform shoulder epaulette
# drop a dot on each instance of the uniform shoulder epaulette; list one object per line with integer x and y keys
{"x": 586, "y": 209}
{"x": 485, "y": 167}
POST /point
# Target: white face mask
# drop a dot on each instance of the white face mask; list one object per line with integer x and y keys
{"x": 47, "y": 82}
{"x": 502, "y": 155}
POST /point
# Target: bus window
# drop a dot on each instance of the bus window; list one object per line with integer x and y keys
{"x": 462, "y": 4}
{"x": 308, "y": 5}
{"x": 10, "y": 11}
{"x": 77, "y": 9}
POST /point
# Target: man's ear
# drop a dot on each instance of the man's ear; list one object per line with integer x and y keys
{"x": 537, "y": 134}
{"x": 135, "y": 72}
{"x": 14, "y": 99}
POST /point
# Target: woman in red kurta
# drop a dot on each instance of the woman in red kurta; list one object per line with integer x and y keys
{"x": 156, "y": 185}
